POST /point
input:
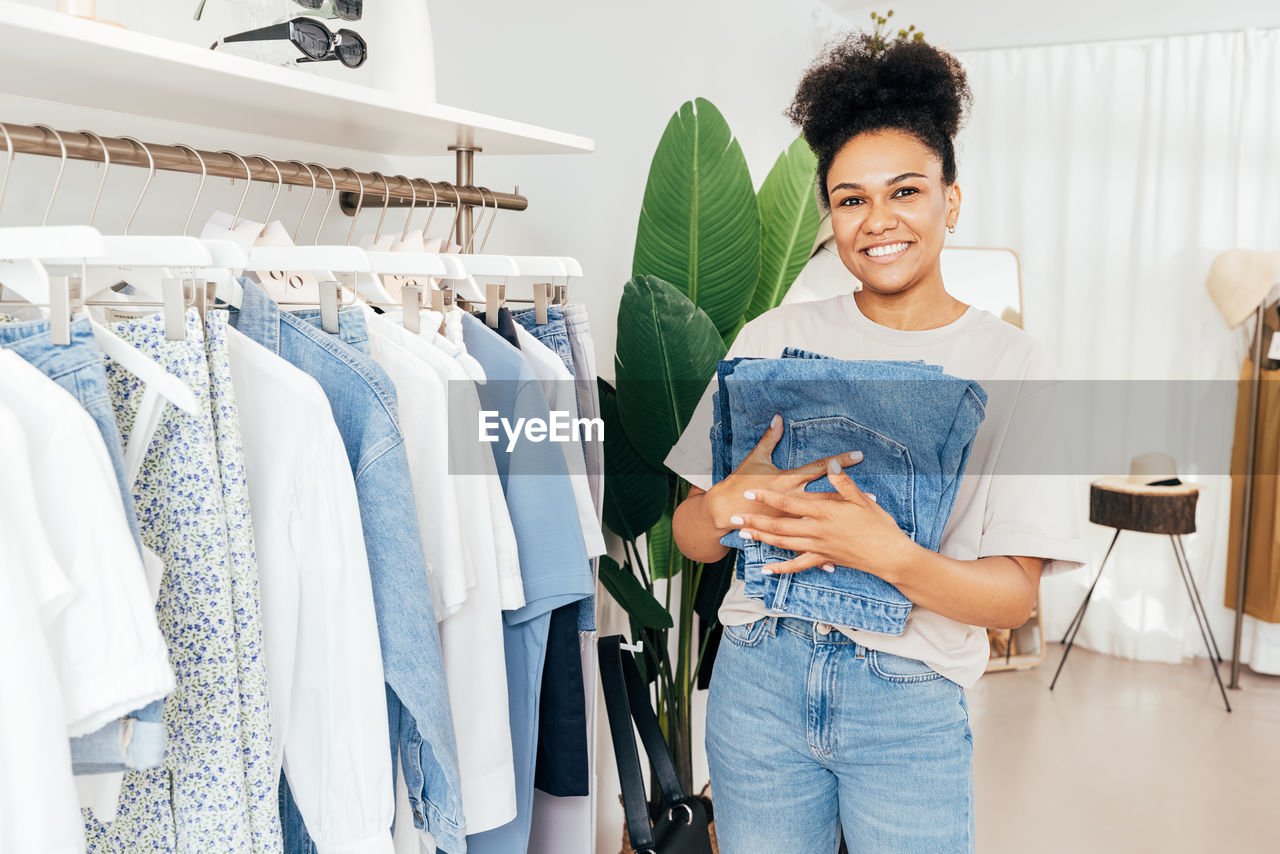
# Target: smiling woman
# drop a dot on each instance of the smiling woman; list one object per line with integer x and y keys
{"x": 815, "y": 727}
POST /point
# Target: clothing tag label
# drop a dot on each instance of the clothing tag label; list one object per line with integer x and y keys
{"x": 1273, "y": 352}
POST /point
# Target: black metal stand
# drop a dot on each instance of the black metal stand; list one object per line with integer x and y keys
{"x": 1193, "y": 594}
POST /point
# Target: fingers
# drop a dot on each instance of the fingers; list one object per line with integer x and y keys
{"x": 755, "y": 524}
{"x": 764, "y": 448}
{"x": 799, "y": 563}
{"x": 844, "y": 484}
{"x": 817, "y": 468}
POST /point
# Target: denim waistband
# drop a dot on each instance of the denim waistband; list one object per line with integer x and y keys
{"x": 810, "y": 630}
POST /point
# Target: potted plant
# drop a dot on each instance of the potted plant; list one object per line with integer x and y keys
{"x": 710, "y": 254}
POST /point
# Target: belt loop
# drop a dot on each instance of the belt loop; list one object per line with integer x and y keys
{"x": 771, "y": 624}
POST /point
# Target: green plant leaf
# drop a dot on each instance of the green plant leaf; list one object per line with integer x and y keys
{"x": 665, "y": 355}
{"x": 789, "y": 220}
{"x": 635, "y": 493}
{"x": 628, "y": 592}
{"x": 699, "y": 226}
{"x": 665, "y": 559}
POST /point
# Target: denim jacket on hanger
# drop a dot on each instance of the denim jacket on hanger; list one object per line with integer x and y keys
{"x": 915, "y": 426}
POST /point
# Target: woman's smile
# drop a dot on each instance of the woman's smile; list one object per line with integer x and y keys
{"x": 887, "y": 253}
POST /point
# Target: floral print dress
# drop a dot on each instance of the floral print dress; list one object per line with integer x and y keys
{"x": 214, "y": 793}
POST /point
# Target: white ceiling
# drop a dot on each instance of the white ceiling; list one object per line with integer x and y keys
{"x": 974, "y": 24}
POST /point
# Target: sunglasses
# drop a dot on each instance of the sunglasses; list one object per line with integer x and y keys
{"x": 312, "y": 38}
{"x": 347, "y": 10}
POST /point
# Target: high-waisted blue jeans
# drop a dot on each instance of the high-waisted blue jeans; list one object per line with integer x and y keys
{"x": 808, "y": 732}
{"x": 915, "y": 426}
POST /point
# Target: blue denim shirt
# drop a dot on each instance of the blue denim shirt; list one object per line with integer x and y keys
{"x": 364, "y": 408}
{"x": 915, "y": 426}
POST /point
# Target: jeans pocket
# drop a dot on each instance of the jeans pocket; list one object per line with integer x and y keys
{"x": 747, "y": 635}
{"x": 886, "y": 470}
{"x": 900, "y": 669}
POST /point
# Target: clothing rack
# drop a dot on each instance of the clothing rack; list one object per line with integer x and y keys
{"x": 358, "y": 189}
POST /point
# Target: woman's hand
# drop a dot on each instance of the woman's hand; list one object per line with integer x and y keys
{"x": 757, "y": 473}
{"x": 846, "y": 527}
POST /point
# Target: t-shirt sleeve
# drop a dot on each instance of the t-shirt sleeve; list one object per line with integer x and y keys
{"x": 1031, "y": 510}
{"x": 690, "y": 457}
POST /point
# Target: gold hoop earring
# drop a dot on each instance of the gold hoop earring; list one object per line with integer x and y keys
{"x": 951, "y": 229}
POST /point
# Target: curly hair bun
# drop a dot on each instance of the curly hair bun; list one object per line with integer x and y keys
{"x": 862, "y": 84}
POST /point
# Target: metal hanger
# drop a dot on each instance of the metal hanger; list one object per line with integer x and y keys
{"x": 307, "y": 207}
{"x": 333, "y": 194}
{"x": 248, "y": 182}
{"x": 228, "y": 256}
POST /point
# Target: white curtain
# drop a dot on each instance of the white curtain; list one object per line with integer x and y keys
{"x": 1118, "y": 171}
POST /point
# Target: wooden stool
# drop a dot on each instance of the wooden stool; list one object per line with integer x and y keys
{"x": 1125, "y": 505}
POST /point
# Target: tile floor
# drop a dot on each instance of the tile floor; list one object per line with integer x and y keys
{"x": 1125, "y": 756}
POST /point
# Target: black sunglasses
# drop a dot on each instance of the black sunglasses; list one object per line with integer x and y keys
{"x": 347, "y": 10}
{"x": 312, "y": 38}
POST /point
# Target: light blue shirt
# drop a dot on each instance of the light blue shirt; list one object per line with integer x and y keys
{"x": 553, "y": 558}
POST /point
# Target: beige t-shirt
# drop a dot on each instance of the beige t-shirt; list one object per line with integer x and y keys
{"x": 995, "y": 513}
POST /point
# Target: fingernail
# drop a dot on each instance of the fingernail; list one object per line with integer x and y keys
{"x": 766, "y": 571}
{"x": 829, "y": 567}
{"x": 833, "y": 467}
{"x": 855, "y": 456}
{"x": 776, "y": 422}
{"x": 745, "y": 534}
{"x": 749, "y": 495}
{"x": 735, "y": 520}
{"x": 872, "y": 497}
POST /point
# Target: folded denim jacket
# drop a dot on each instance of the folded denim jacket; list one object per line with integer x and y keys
{"x": 915, "y": 426}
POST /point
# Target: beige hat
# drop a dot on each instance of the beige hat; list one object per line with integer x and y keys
{"x": 1150, "y": 471}
{"x": 1240, "y": 279}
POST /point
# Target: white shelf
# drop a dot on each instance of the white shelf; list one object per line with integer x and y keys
{"x": 49, "y": 56}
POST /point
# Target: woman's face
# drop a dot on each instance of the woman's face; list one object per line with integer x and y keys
{"x": 890, "y": 210}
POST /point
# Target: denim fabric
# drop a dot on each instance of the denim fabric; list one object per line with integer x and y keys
{"x": 555, "y": 334}
{"x": 877, "y": 743}
{"x": 132, "y": 743}
{"x": 78, "y": 368}
{"x": 553, "y": 560}
{"x": 364, "y": 408}
{"x": 915, "y": 426}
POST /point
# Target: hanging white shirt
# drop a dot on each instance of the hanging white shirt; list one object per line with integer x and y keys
{"x": 470, "y": 638}
{"x": 105, "y": 643}
{"x": 510, "y": 580}
{"x": 423, "y": 408}
{"x": 39, "y": 810}
{"x": 562, "y": 396}
{"x": 324, "y": 664}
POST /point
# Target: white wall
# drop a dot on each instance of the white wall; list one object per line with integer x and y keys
{"x": 978, "y": 24}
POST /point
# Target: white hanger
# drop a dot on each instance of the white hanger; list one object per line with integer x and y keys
{"x": 144, "y": 262}
{"x": 370, "y": 287}
{"x": 65, "y": 242}
{"x": 23, "y": 248}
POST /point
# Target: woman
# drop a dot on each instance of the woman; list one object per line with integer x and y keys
{"x": 811, "y": 726}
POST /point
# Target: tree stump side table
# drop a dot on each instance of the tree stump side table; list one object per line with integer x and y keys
{"x": 1125, "y": 505}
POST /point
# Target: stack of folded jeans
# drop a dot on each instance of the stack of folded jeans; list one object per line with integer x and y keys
{"x": 915, "y": 426}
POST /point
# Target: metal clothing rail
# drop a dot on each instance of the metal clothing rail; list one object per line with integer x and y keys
{"x": 358, "y": 188}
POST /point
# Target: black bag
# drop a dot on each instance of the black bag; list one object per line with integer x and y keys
{"x": 681, "y": 826}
